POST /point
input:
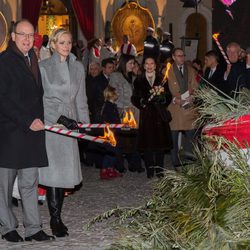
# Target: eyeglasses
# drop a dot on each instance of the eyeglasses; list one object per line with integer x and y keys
{"x": 24, "y": 35}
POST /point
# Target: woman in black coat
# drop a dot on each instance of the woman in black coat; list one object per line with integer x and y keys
{"x": 154, "y": 130}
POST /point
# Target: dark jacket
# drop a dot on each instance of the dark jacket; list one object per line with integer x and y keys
{"x": 151, "y": 47}
{"x": 21, "y": 101}
{"x": 110, "y": 113}
{"x": 90, "y": 93}
{"x": 247, "y": 77}
{"x": 100, "y": 83}
{"x": 235, "y": 80}
{"x": 166, "y": 49}
{"x": 217, "y": 78}
{"x": 154, "y": 132}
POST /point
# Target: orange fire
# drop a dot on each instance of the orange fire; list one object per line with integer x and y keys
{"x": 167, "y": 70}
{"x": 216, "y": 35}
{"x": 129, "y": 119}
{"x": 109, "y": 136}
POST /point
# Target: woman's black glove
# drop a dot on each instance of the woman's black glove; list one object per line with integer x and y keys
{"x": 159, "y": 99}
{"x": 67, "y": 122}
{"x": 143, "y": 102}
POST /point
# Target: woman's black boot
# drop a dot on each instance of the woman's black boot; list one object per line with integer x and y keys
{"x": 55, "y": 197}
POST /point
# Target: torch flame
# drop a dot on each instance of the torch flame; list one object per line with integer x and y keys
{"x": 129, "y": 119}
{"x": 216, "y": 35}
{"x": 167, "y": 71}
{"x": 109, "y": 136}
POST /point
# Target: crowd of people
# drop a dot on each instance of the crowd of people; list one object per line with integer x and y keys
{"x": 54, "y": 81}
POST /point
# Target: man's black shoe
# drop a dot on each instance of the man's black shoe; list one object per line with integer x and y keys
{"x": 12, "y": 236}
{"x": 40, "y": 236}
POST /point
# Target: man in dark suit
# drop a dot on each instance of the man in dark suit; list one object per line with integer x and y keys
{"x": 100, "y": 83}
{"x": 234, "y": 78}
{"x": 94, "y": 71}
{"x": 214, "y": 72}
{"x": 22, "y": 139}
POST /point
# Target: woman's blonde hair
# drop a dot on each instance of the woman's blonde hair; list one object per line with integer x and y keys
{"x": 56, "y": 34}
{"x": 110, "y": 93}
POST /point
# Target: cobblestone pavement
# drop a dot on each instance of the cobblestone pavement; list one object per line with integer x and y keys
{"x": 93, "y": 198}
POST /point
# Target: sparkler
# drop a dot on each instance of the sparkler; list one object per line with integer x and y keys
{"x": 215, "y": 37}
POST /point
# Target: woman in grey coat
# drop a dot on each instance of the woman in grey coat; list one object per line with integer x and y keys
{"x": 63, "y": 81}
{"x": 122, "y": 81}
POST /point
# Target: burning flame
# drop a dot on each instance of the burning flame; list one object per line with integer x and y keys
{"x": 109, "y": 136}
{"x": 167, "y": 70}
{"x": 129, "y": 119}
{"x": 216, "y": 35}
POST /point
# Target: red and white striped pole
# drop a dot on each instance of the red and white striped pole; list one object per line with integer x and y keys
{"x": 215, "y": 37}
{"x": 75, "y": 134}
{"x": 101, "y": 125}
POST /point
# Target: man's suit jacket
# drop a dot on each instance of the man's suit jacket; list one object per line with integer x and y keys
{"x": 217, "y": 78}
{"x": 182, "y": 119}
{"x": 21, "y": 101}
{"x": 235, "y": 80}
{"x": 100, "y": 83}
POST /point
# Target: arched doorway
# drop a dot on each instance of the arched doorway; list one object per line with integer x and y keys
{"x": 56, "y": 14}
{"x": 196, "y": 27}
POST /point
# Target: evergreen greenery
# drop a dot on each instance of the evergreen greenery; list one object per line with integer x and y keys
{"x": 206, "y": 206}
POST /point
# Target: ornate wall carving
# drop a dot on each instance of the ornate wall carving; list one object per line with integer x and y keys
{"x": 132, "y": 20}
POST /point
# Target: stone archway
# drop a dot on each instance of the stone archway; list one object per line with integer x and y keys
{"x": 196, "y": 26}
{"x": 207, "y": 15}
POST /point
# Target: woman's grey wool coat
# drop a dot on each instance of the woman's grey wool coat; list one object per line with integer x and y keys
{"x": 64, "y": 94}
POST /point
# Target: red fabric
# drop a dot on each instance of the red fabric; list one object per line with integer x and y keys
{"x": 38, "y": 41}
{"x": 84, "y": 10}
{"x": 128, "y": 49}
{"x": 97, "y": 52}
{"x": 233, "y": 130}
{"x": 31, "y": 10}
{"x": 41, "y": 191}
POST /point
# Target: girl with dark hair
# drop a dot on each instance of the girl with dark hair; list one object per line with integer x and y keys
{"x": 154, "y": 131}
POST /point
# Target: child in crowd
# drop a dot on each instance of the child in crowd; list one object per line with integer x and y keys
{"x": 112, "y": 155}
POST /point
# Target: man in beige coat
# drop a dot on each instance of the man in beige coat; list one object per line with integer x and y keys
{"x": 182, "y": 83}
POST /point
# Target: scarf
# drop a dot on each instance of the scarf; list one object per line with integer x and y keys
{"x": 33, "y": 67}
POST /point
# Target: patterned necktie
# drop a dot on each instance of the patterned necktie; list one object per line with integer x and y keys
{"x": 27, "y": 60}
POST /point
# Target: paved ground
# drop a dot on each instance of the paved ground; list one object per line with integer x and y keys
{"x": 94, "y": 197}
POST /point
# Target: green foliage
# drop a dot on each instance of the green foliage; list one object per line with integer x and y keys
{"x": 216, "y": 108}
{"x": 204, "y": 207}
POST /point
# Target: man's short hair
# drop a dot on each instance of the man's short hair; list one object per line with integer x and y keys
{"x": 175, "y": 49}
{"x": 212, "y": 53}
{"x": 107, "y": 61}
